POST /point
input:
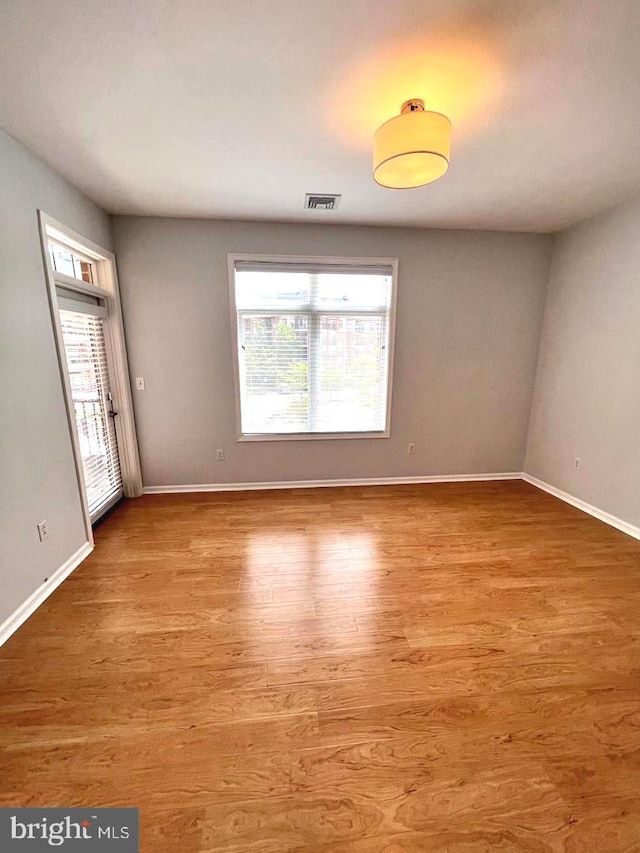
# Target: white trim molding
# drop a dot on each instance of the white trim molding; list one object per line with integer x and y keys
{"x": 600, "y": 514}
{"x": 31, "y": 604}
{"x": 319, "y": 484}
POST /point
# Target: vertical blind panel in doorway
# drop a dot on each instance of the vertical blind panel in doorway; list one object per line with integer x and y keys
{"x": 86, "y": 355}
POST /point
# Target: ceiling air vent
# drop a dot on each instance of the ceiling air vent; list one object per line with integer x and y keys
{"x": 321, "y": 201}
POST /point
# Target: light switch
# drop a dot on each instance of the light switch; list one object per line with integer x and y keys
{"x": 139, "y": 383}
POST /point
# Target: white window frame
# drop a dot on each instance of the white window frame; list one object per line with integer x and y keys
{"x": 232, "y": 259}
{"x": 107, "y": 290}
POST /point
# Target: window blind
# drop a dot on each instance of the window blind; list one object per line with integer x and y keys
{"x": 86, "y": 355}
{"x": 313, "y": 347}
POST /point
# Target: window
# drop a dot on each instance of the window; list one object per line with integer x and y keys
{"x": 64, "y": 260}
{"x": 314, "y": 346}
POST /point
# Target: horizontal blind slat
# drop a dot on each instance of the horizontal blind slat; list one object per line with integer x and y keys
{"x": 83, "y": 336}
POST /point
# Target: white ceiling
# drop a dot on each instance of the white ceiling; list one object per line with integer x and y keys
{"x": 237, "y": 108}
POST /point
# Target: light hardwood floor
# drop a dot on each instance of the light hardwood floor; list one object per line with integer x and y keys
{"x": 397, "y": 669}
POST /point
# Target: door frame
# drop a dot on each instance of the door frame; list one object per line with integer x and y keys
{"x": 106, "y": 289}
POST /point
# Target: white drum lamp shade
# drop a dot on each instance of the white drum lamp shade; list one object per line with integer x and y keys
{"x": 411, "y": 149}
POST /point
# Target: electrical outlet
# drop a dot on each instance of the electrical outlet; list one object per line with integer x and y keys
{"x": 139, "y": 383}
{"x": 576, "y": 463}
{"x": 43, "y": 530}
{"x": 220, "y": 454}
{"x": 411, "y": 448}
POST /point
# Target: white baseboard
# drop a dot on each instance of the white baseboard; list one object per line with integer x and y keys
{"x": 22, "y": 613}
{"x": 320, "y": 484}
{"x": 600, "y": 514}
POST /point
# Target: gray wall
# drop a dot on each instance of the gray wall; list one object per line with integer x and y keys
{"x": 470, "y": 308}
{"x": 37, "y": 474}
{"x": 587, "y": 394}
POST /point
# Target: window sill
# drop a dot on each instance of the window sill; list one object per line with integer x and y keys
{"x": 312, "y": 436}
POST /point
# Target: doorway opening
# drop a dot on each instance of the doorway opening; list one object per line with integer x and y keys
{"x": 87, "y": 321}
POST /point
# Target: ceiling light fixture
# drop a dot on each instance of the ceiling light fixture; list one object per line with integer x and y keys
{"x": 412, "y": 149}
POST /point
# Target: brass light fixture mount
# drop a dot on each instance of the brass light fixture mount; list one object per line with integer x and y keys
{"x": 413, "y": 105}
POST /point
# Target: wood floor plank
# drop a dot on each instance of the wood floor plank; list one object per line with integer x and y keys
{"x": 63, "y": 773}
{"x": 497, "y": 798}
{"x": 156, "y": 704}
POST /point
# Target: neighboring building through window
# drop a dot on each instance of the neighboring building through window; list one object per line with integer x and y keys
{"x": 314, "y": 346}
{"x": 69, "y": 262}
